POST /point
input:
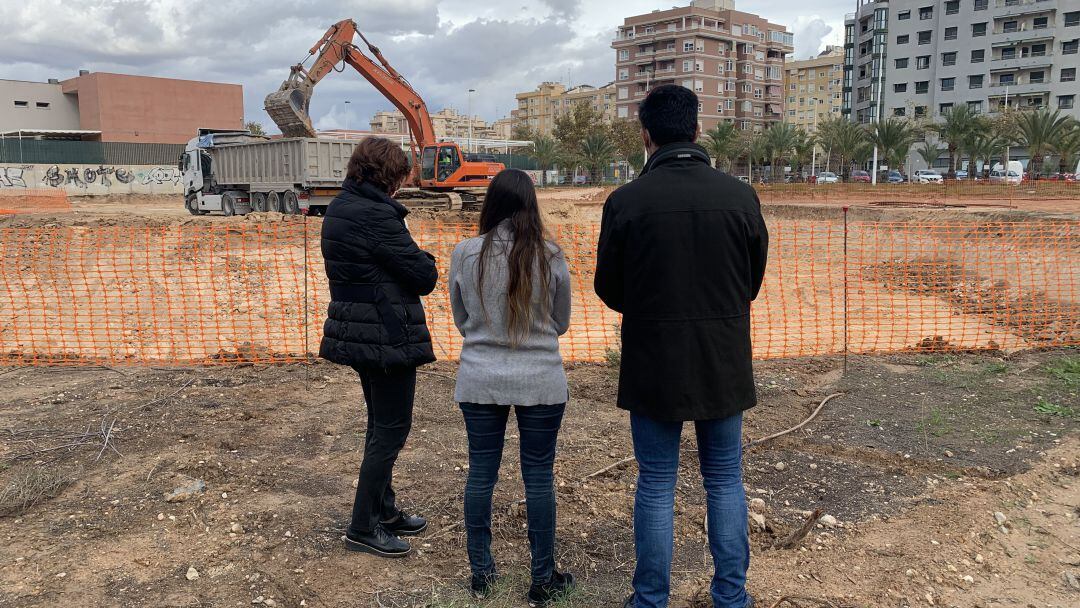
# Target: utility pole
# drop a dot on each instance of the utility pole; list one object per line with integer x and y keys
{"x": 471, "y": 91}
{"x": 346, "y": 119}
{"x": 877, "y": 115}
{"x": 1005, "y": 161}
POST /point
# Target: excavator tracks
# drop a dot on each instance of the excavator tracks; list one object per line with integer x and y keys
{"x": 458, "y": 200}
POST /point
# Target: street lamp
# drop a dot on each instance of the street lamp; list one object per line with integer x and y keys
{"x": 471, "y": 91}
{"x": 346, "y": 119}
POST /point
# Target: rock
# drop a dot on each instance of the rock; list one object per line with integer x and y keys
{"x": 185, "y": 492}
{"x": 1071, "y": 580}
{"x": 270, "y": 603}
{"x": 258, "y": 600}
{"x": 236, "y": 528}
{"x": 979, "y": 558}
{"x": 757, "y": 505}
{"x": 160, "y": 516}
{"x": 948, "y": 454}
{"x": 1000, "y": 518}
{"x": 828, "y": 521}
{"x": 910, "y": 573}
{"x": 780, "y": 466}
{"x": 969, "y": 579}
{"x": 813, "y": 467}
{"x": 192, "y": 573}
{"x": 757, "y": 522}
{"x": 1003, "y": 529}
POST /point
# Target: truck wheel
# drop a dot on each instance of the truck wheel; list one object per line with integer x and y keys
{"x": 228, "y": 205}
{"x": 191, "y": 202}
{"x": 258, "y": 202}
{"x": 273, "y": 202}
{"x": 290, "y": 204}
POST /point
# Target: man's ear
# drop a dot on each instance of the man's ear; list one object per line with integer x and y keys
{"x": 697, "y": 133}
{"x": 645, "y": 139}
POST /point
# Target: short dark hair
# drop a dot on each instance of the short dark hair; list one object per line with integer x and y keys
{"x": 670, "y": 114}
{"x": 379, "y": 162}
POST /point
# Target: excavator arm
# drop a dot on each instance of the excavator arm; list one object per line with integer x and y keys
{"x": 289, "y": 105}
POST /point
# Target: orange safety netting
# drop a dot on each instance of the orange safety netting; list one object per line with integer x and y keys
{"x": 250, "y": 292}
{"x": 33, "y": 201}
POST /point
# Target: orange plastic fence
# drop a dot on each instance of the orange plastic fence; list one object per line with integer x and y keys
{"x": 251, "y": 292}
{"x": 947, "y": 192}
{"x": 33, "y": 201}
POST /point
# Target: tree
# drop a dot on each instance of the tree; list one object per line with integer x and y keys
{"x": 255, "y": 128}
{"x": 1067, "y": 148}
{"x": 983, "y": 147}
{"x": 956, "y": 129}
{"x": 522, "y": 132}
{"x": 595, "y": 153}
{"x": 571, "y": 128}
{"x": 843, "y": 140}
{"x": 722, "y": 143}
{"x": 626, "y": 137}
{"x": 755, "y": 148}
{"x": 804, "y": 151}
{"x": 929, "y": 153}
{"x": 1037, "y": 130}
{"x": 545, "y": 151}
{"x": 894, "y": 138}
{"x": 780, "y": 140}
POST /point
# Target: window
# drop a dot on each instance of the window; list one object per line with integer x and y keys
{"x": 899, "y": 111}
{"x": 977, "y": 56}
{"x": 699, "y": 66}
{"x": 920, "y": 111}
{"x": 980, "y": 5}
{"x": 975, "y": 107}
{"x": 1038, "y": 50}
{"x": 758, "y": 94}
{"x": 1007, "y": 79}
{"x": 900, "y": 88}
{"x": 899, "y": 39}
{"x": 700, "y": 107}
{"x": 978, "y": 29}
{"x": 944, "y": 108}
{"x": 1072, "y": 19}
{"x": 42, "y": 105}
{"x": 901, "y": 63}
{"x": 719, "y": 108}
{"x": 1068, "y": 74}
{"x": 922, "y": 63}
{"x": 720, "y": 68}
{"x": 1069, "y": 48}
{"x": 1009, "y": 26}
{"x": 624, "y": 112}
{"x": 688, "y": 47}
{"x": 747, "y": 68}
{"x": 926, "y": 12}
{"x": 746, "y": 88}
{"x": 948, "y": 84}
{"x": 975, "y": 82}
{"x": 1039, "y": 23}
{"x": 624, "y": 74}
{"x": 903, "y": 15}
{"x": 624, "y": 93}
{"x": 925, "y": 37}
{"x": 22, "y": 104}
{"x": 922, "y": 87}
{"x": 952, "y": 7}
{"x": 1036, "y": 77}
{"x": 948, "y": 58}
{"x": 1065, "y": 102}
{"x": 950, "y": 33}
{"x": 1008, "y": 53}
{"x": 687, "y": 65}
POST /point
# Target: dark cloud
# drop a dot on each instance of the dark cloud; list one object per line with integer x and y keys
{"x": 564, "y": 9}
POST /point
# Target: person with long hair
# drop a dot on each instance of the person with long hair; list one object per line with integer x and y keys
{"x": 510, "y": 294}
{"x": 375, "y": 324}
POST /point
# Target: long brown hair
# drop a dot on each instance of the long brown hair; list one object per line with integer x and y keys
{"x": 511, "y": 195}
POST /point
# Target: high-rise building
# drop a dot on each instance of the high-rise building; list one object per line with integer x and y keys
{"x": 446, "y": 122}
{"x": 734, "y": 61}
{"x": 813, "y": 88}
{"x": 538, "y": 109}
{"x": 934, "y": 56}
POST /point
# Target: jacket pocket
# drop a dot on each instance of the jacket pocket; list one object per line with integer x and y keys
{"x": 394, "y": 324}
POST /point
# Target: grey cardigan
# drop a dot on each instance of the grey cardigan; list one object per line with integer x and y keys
{"x": 491, "y": 371}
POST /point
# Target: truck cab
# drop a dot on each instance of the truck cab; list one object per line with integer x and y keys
{"x": 201, "y": 192}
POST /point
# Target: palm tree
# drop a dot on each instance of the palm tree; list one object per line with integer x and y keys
{"x": 929, "y": 153}
{"x": 894, "y": 138}
{"x": 722, "y": 143}
{"x": 1067, "y": 148}
{"x": 844, "y": 140}
{"x": 983, "y": 147}
{"x": 804, "y": 151}
{"x": 1037, "y": 131}
{"x": 755, "y": 148}
{"x": 780, "y": 139}
{"x": 595, "y": 153}
{"x": 545, "y": 151}
{"x": 957, "y": 126}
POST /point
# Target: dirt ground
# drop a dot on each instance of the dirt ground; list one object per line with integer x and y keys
{"x": 913, "y": 461}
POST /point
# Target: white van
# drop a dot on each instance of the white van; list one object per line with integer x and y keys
{"x": 1014, "y": 175}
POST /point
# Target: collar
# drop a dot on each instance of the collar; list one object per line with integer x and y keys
{"x": 681, "y": 151}
{"x": 368, "y": 191}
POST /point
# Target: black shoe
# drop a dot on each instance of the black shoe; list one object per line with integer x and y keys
{"x": 379, "y": 542}
{"x": 542, "y": 595}
{"x": 482, "y": 583}
{"x": 405, "y": 525}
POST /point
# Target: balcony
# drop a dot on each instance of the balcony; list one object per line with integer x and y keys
{"x": 1021, "y": 87}
{"x": 1022, "y": 63}
{"x": 1049, "y": 4}
{"x": 1022, "y": 34}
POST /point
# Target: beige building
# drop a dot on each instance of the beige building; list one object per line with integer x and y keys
{"x": 814, "y": 88}
{"x": 447, "y": 122}
{"x": 504, "y": 128}
{"x": 538, "y": 109}
{"x": 734, "y": 61}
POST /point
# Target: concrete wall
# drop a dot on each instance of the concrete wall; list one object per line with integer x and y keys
{"x": 62, "y": 111}
{"x": 83, "y": 180}
{"x": 154, "y": 110}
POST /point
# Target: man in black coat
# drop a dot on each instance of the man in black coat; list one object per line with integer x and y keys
{"x": 375, "y": 324}
{"x": 681, "y": 255}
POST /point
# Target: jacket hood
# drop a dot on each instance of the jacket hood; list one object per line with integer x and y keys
{"x": 681, "y": 151}
{"x": 368, "y": 191}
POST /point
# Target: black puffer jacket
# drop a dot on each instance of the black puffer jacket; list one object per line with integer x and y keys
{"x": 377, "y": 274}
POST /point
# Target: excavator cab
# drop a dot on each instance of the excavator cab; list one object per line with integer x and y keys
{"x": 439, "y": 162}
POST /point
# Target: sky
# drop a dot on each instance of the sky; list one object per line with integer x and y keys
{"x": 444, "y": 47}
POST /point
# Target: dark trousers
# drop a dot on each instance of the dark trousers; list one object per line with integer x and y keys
{"x": 389, "y": 398}
{"x": 538, "y": 427}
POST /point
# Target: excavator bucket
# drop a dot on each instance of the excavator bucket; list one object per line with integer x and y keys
{"x": 288, "y": 108}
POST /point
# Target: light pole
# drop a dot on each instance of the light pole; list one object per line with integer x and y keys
{"x": 346, "y": 119}
{"x": 471, "y": 91}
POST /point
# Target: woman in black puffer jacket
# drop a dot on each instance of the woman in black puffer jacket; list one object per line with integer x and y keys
{"x": 375, "y": 324}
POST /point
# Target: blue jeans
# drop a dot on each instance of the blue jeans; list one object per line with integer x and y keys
{"x": 656, "y": 447}
{"x": 538, "y": 427}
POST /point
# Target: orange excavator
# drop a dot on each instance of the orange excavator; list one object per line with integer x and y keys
{"x": 442, "y": 175}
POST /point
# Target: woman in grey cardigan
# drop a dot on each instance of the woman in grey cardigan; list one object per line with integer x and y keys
{"x": 510, "y": 293}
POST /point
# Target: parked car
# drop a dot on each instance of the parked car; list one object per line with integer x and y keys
{"x": 961, "y": 174}
{"x": 928, "y": 176}
{"x": 1001, "y": 177}
{"x": 1062, "y": 177}
{"x": 826, "y": 177}
{"x": 860, "y": 177}
{"x": 895, "y": 177}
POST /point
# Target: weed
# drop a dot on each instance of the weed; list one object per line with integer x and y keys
{"x": 935, "y": 360}
{"x": 997, "y": 367}
{"x": 1053, "y": 409}
{"x": 1066, "y": 369}
{"x": 874, "y": 423}
{"x": 30, "y": 485}
{"x": 936, "y": 424}
{"x": 613, "y": 357}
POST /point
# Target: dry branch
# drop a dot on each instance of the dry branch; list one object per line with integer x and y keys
{"x": 813, "y": 415}
{"x": 797, "y": 536}
{"x": 607, "y": 468}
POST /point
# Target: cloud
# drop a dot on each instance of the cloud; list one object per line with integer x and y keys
{"x": 811, "y": 34}
{"x": 564, "y": 9}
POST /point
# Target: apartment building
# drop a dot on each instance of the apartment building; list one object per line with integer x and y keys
{"x": 733, "y": 60}
{"x": 814, "y": 88}
{"x": 935, "y": 56}
{"x": 538, "y": 109}
{"x": 447, "y": 123}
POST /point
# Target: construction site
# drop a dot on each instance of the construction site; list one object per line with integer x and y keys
{"x": 168, "y": 436}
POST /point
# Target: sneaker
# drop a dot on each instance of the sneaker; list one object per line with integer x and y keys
{"x": 542, "y": 595}
{"x": 379, "y": 542}
{"x": 405, "y": 525}
{"x": 482, "y": 583}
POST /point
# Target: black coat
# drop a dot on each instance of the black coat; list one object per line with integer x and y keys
{"x": 377, "y": 274}
{"x": 681, "y": 255}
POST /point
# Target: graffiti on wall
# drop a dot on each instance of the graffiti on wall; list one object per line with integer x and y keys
{"x": 12, "y": 177}
{"x": 94, "y": 179}
{"x": 86, "y": 176}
